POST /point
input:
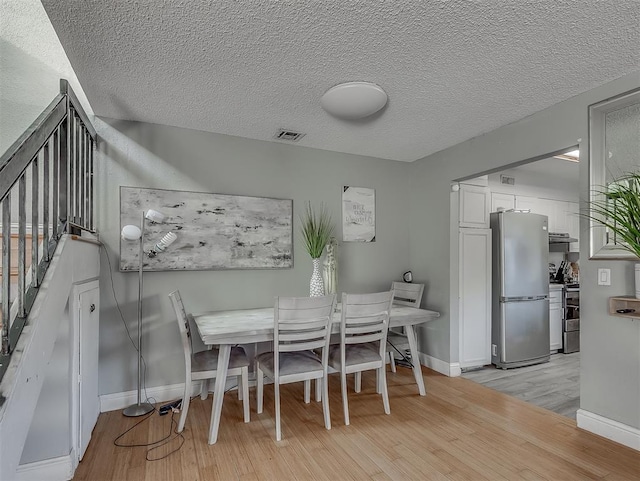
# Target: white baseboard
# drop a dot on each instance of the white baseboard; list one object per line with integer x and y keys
{"x": 55, "y": 469}
{"x": 160, "y": 394}
{"x": 157, "y": 394}
{"x": 608, "y": 428}
{"x": 448, "y": 369}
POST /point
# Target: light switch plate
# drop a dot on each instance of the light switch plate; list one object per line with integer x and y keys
{"x": 604, "y": 277}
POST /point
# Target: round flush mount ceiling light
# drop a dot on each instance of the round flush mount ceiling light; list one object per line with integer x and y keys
{"x": 354, "y": 100}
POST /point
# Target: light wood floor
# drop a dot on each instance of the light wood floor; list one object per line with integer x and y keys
{"x": 553, "y": 385}
{"x": 459, "y": 431}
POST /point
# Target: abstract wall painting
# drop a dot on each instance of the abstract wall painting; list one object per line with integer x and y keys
{"x": 358, "y": 214}
{"x": 215, "y": 231}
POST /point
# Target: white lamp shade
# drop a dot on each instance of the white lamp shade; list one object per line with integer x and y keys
{"x": 354, "y": 100}
{"x": 155, "y": 216}
{"x": 131, "y": 232}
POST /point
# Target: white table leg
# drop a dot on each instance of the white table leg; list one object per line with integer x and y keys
{"x": 218, "y": 394}
{"x": 417, "y": 371}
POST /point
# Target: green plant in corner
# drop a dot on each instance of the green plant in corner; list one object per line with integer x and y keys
{"x": 316, "y": 229}
{"x": 617, "y": 207}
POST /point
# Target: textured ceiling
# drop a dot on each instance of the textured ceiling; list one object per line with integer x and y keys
{"x": 452, "y": 69}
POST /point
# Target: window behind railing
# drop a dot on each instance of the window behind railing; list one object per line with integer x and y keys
{"x": 46, "y": 189}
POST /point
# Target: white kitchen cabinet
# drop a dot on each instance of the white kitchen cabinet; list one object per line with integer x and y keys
{"x": 563, "y": 216}
{"x": 573, "y": 224}
{"x": 502, "y": 201}
{"x": 474, "y": 206}
{"x": 475, "y": 297}
{"x": 537, "y": 205}
{"x": 524, "y": 202}
{"x": 552, "y": 209}
{"x": 555, "y": 319}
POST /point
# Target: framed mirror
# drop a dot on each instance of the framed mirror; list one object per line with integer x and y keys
{"x": 614, "y": 150}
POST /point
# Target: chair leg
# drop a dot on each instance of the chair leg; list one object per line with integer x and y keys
{"x": 358, "y": 381}
{"x": 325, "y": 401}
{"x": 318, "y": 389}
{"x": 392, "y": 361}
{"x": 186, "y": 397}
{"x": 378, "y": 387}
{"x": 204, "y": 389}
{"x": 385, "y": 392}
{"x": 259, "y": 388}
{"x": 277, "y": 399}
{"x": 244, "y": 378}
{"x": 307, "y": 391}
{"x": 345, "y": 402}
{"x": 239, "y": 383}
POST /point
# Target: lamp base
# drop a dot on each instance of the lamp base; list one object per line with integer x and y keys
{"x": 138, "y": 410}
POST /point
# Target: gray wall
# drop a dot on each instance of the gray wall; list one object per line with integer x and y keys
{"x": 610, "y": 353}
{"x": 147, "y": 155}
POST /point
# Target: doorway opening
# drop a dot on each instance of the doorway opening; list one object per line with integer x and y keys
{"x": 547, "y": 186}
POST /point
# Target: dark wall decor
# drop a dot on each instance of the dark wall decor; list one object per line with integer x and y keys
{"x": 215, "y": 231}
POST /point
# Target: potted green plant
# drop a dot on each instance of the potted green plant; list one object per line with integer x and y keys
{"x": 316, "y": 228}
{"x": 617, "y": 207}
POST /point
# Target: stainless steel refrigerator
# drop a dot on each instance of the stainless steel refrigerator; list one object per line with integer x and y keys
{"x": 520, "y": 289}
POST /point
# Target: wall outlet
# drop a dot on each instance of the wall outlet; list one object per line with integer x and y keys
{"x": 494, "y": 350}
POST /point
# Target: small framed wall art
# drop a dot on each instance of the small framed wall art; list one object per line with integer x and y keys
{"x": 358, "y": 214}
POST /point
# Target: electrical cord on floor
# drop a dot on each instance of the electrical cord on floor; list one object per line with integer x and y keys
{"x": 404, "y": 358}
{"x": 124, "y": 322}
{"x": 160, "y": 442}
{"x": 154, "y": 444}
{"x": 168, "y": 440}
{"x": 225, "y": 391}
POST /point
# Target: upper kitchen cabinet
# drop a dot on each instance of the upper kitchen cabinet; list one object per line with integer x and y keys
{"x": 573, "y": 223}
{"x": 563, "y": 216}
{"x": 537, "y": 205}
{"x": 502, "y": 201}
{"x": 532, "y": 204}
{"x": 474, "y": 206}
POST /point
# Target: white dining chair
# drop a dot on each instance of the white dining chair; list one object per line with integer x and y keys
{"x": 363, "y": 335}
{"x": 301, "y": 324}
{"x": 404, "y": 294}
{"x": 203, "y": 366}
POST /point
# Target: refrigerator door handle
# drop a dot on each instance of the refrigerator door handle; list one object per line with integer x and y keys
{"x": 523, "y": 298}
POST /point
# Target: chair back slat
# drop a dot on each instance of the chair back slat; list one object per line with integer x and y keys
{"x": 360, "y": 339}
{"x": 183, "y": 326}
{"x": 296, "y": 325}
{"x": 302, "y": 335}
{"x": 365, "y": 318}
{"x": 301, "y": 324}
{"x": 302, "y": 346}
{"x": 406, "y": 294}
{"x": 291, "y": 308}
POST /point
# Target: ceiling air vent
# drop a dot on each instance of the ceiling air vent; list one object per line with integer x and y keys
{"x": 288, "y": 135}
{"x": 505, "y": 179}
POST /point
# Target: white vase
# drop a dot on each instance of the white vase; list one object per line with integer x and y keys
{"x": 638, "y": 280}
{"x": 316, "y": 286}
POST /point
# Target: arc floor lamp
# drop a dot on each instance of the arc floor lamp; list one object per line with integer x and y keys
{"x": 134, "y": 233}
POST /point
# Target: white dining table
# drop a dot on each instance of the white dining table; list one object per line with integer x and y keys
{"x": 246, "y": 326}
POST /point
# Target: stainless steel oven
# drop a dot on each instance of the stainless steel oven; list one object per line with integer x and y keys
{"x": 571, "y": 321}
